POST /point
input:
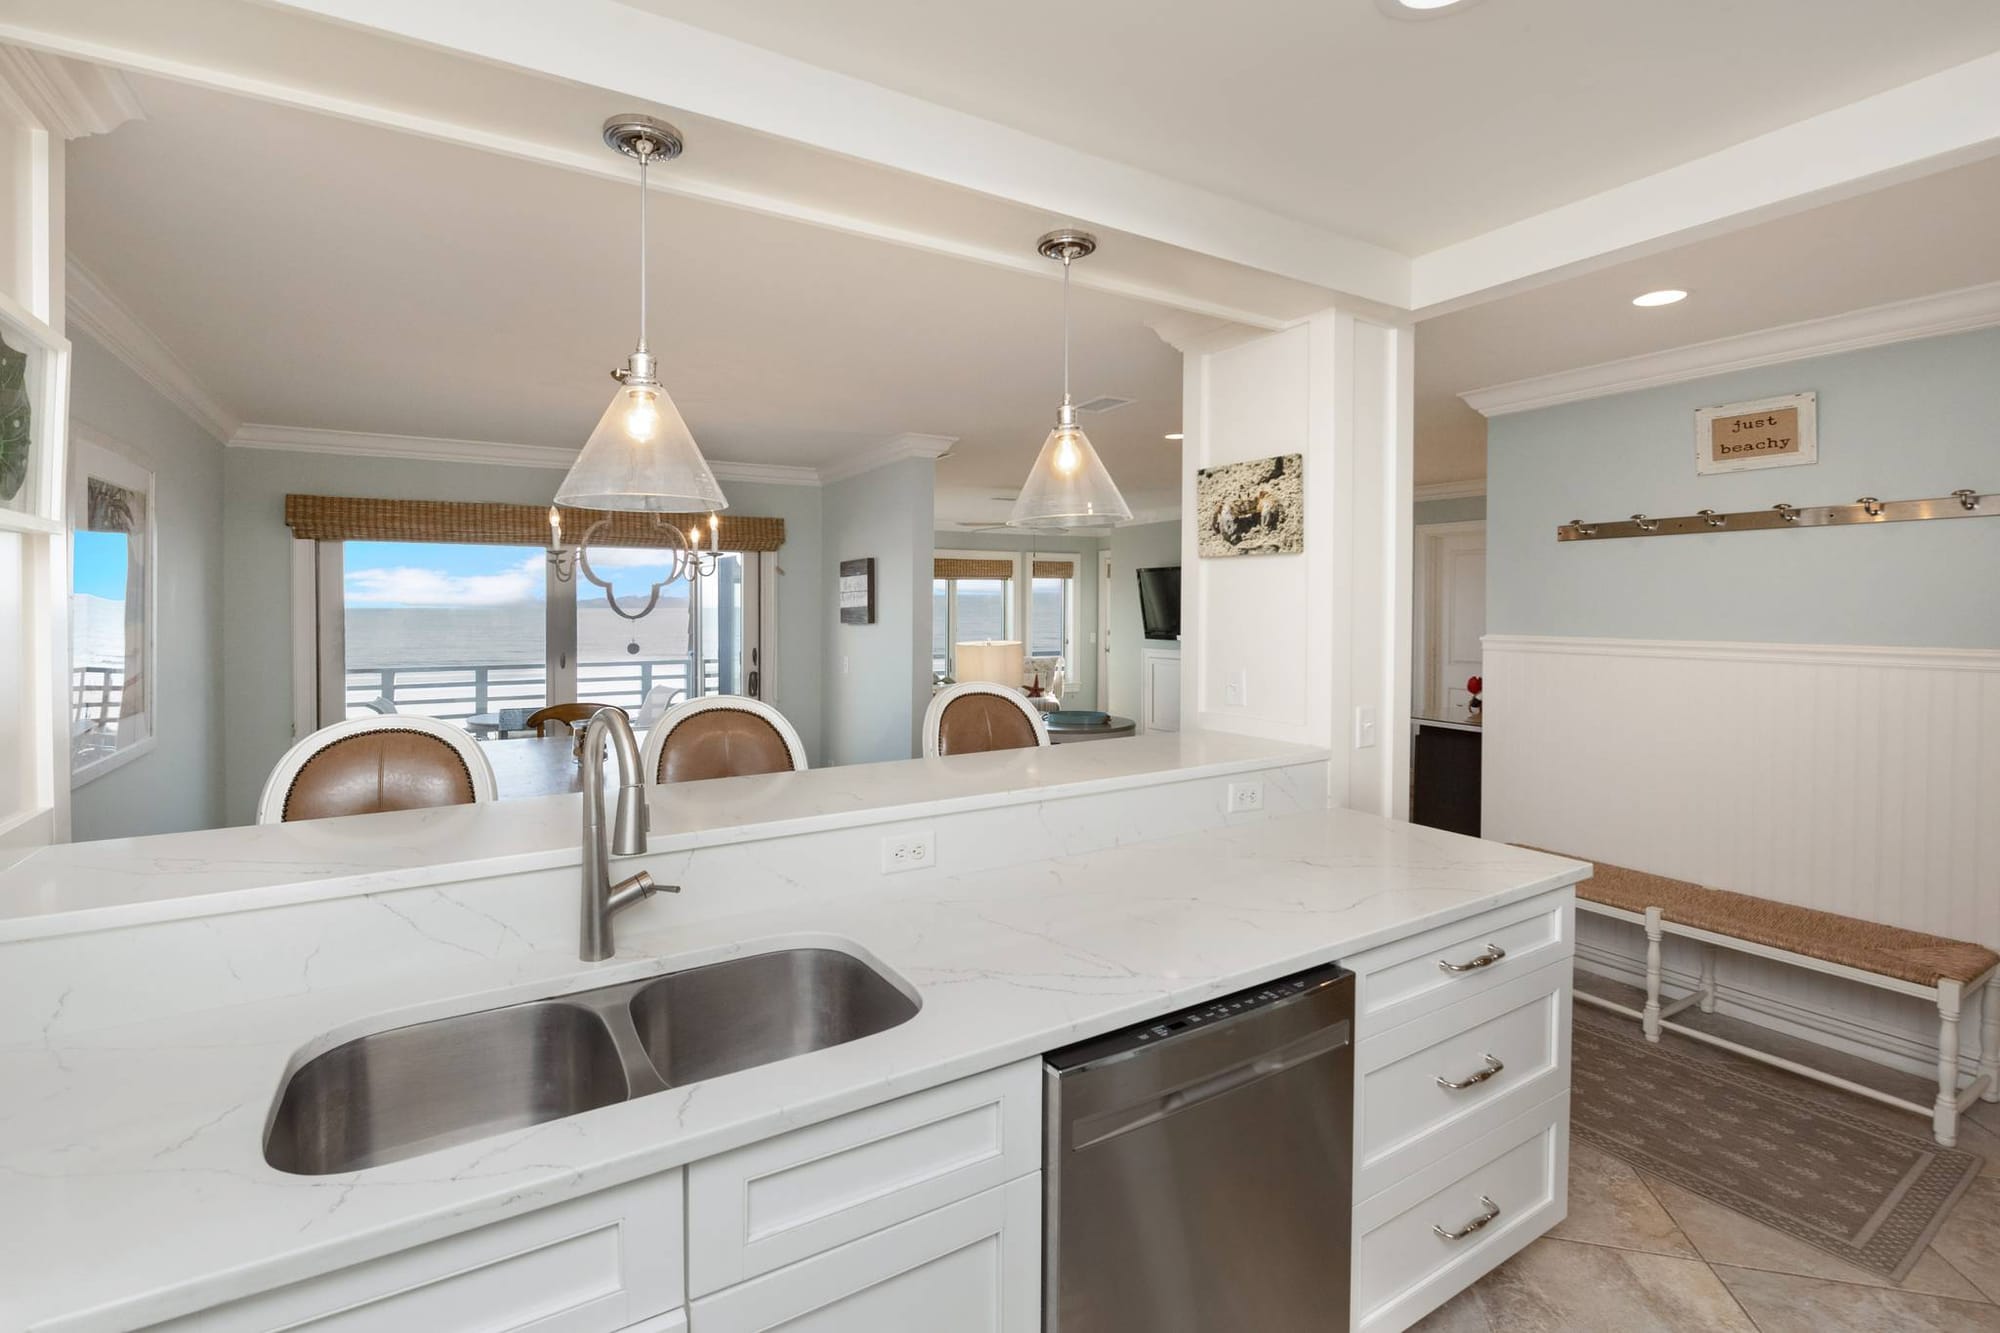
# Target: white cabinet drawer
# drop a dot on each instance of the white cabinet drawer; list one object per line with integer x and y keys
{"x": 1403, "y": 1268}
{"x": 773, "y": 1203}
{"x": 973, "y": 1266}
{"x": 1416, "y": 976}
{"x": 1509, "y": 1048}
{"x": 607, "y": 1261}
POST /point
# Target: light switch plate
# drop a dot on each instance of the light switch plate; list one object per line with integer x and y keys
{"x": 1364, "y": 728}
{"x": 1236, "y": 689}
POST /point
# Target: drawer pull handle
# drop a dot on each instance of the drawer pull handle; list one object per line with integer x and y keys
{"x": 1493, "y": 954}
{"x": 1477, "y": 1223}
{"x": 1493, "y": 1067}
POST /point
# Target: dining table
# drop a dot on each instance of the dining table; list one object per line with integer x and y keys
{"x": 539, "y": 766}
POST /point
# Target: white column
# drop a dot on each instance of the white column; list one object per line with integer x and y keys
{"x": 1296, "y": 647}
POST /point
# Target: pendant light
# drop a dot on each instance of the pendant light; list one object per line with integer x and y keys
{"x": 641, "y": 455}
{"x": 1068, "y": 487}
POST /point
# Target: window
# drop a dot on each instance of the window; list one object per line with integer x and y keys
{"x": 111, "y": 609}
{"x": 1052, "y": 603}
{"x": 971, "y": 600}
{"x": 484, "y": 634}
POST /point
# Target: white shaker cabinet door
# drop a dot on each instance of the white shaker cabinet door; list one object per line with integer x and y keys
{"x": 969, "y": 1267}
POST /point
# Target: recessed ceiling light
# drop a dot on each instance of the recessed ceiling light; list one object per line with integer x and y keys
{"x": 1421, "y": 9}
{"x": 1665, "y": 296}
{"x": 1175, "y": 436}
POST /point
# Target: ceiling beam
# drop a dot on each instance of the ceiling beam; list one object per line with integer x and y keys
{"x": 609, "y": 45}
{"x": 1932, "y": 124}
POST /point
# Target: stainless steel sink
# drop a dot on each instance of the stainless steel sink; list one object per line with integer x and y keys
{"x": 710, "y": 1021}
{"x": 412, "y": 1090}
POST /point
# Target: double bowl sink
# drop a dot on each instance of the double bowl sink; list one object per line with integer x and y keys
{"x": 412, "y": 1090}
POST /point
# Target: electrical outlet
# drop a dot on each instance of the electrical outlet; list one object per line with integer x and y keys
{"x": 1364, "y": 728}
{"x": 1245, "y": 796}
{"x": 908, "y": 851}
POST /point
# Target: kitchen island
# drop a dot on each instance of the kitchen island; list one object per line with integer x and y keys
{"x": 142, "y": 1055}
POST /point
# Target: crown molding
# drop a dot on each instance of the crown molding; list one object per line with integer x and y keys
{"x": 1451, "y": 490}
{"x": 433, "y": 449}
{"x": 1958, "y": 311}
{"x": 93, "y": 310}
{"x": 892, "y": 451}
{"x": 70, "y": 98}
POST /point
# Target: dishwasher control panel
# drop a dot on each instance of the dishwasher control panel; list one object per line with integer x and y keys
{"x": 1215, "y": 1012}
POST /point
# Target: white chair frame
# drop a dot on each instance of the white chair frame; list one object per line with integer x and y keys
{"x": 271, "y": 805}
{"x": 656, "y": 736}
{"x": 1950, "y": 997}
{"x": 934, "y": 715}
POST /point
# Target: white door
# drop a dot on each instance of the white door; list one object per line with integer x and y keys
{"x": 1451, "y": 590}
{"x": 1103, "y": 704}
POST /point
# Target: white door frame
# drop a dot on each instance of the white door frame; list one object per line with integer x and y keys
{"x": 1426, "y": 608}
{"x": 1103, "y": 704}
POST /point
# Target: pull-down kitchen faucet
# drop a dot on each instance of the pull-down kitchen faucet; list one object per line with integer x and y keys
{"x": 601, "y": 898}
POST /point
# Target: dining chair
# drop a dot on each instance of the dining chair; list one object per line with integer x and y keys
{"x": 367, "y": 765}
{"x": 977, "y": 715}
{"x": 721, "y": 736}
{"x": 567, "y": 714}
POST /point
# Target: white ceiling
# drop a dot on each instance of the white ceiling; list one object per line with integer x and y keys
{"x": 322, "y": 273}
{"x": 1930, "y": 235}
{"x": 1410, "y": 134}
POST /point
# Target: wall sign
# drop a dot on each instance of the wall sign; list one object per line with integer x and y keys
{"x": 1769, "y": 432}
{"x": 857, "y": 592}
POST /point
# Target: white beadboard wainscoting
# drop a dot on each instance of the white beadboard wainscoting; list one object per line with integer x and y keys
{"x": 1860, "y": 780}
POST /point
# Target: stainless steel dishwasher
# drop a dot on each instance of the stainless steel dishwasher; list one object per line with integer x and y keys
{"x": 1199, "y": 1168}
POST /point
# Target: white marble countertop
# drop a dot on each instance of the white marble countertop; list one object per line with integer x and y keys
{"x": 124, "y": 881}
{"x": 130, "y": 1164}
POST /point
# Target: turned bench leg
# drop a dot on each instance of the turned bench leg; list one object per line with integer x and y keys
{"x": 1989, "y": 1040}
{"x": 1707, "y": 1005}
{"x": 1649, "y": 1020}
{"x": 1944, "y": 1118}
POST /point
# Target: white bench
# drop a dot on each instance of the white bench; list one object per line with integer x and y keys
{"x": 1949, "y": 973}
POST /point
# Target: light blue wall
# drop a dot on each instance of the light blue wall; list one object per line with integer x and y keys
{"x": 1132, "y": 549}
{"x": 878, "y": 677}
{"x": 1464, "y": 509}
{"x": 257, "y": 635}
{"x": 1907, "y": 421}
{"x": 1082, "y": 679}
{"x": 178, "y": 785}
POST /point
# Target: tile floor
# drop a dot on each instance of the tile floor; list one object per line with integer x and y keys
{"x": 1638, "y": 1255}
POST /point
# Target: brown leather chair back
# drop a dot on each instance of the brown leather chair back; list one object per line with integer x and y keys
{"x": 722, "y": 743}
{"x": 975, "y": 722}
{"x": 571, "y": 714}
{"x": 386, "y": 769}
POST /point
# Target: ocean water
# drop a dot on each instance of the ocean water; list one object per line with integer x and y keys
{"x": 511, "y": 635}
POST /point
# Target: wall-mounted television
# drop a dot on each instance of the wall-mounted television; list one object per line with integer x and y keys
{"x": 1160, "y": 601}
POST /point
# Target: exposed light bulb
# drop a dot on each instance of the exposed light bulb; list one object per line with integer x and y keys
{"x": 1068, "y": 457}
{"x": 642, "y": 419}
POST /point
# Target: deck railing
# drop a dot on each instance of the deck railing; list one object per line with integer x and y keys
{"x": 96, "y": 696}
{"x": 458, "y": 692}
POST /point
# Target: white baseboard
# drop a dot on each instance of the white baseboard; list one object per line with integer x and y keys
{"x": 1851, "y": 1034}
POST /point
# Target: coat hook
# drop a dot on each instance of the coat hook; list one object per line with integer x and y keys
{"x": 1646, "y": 524}
{"x": 1786, "y": 512}
{"x": 1583, "y": 529}
{"x": 1713, "y": 519}
{"x": 1872, "y": 505}
{"x": 1968, "y": 497}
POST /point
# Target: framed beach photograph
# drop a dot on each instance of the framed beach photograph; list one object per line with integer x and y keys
{"x": 1252, "y": 508}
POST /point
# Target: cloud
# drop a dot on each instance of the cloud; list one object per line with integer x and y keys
{"x": 406, "y": 585}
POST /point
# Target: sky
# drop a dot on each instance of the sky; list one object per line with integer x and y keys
{"x": 413, "y": 574}
{"x": 99, "y": 565}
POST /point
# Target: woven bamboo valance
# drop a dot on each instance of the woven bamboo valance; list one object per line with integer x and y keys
{"x": 337, "y": 518}
{"x": 1055, "y": 569}
{"x": 942, "y": 568}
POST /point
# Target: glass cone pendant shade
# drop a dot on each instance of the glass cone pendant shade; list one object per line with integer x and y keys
{"x": 1069, "y": 486}
{"x": 641, "y": 456}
